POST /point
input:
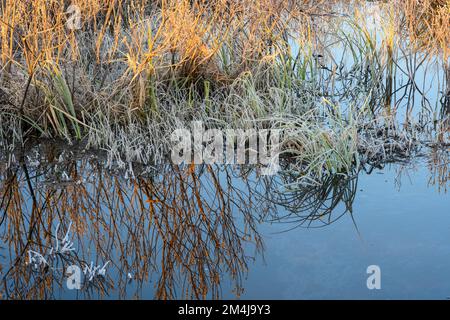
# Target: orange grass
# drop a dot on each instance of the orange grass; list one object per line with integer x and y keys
{"x": 126, "y": 52}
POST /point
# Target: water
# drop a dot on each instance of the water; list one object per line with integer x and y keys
{"x": 168, "y": 232}
{"x": 403, "y": 229}
{"x": 221, "y": 232}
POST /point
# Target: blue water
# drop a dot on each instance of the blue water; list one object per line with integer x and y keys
{"x": 403, "y": 229}
{"x": 399, "y": 221}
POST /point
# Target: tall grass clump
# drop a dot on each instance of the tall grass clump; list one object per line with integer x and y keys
{"x": 123, "y": 75}
{"x": 126, "y": 53}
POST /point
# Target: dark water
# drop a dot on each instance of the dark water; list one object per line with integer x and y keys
{"x": 222, "y": 232}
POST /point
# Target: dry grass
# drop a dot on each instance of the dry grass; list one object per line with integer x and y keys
{"x": 428, "y": 23}
{"x": 127, "y": 51}
{"x": 142, "y": 68}
{"x": 149, "y": 38}
{"x": 138, "y": 69}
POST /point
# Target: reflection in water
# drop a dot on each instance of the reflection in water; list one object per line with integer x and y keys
{"x": 438, "y": 164}
{"x": 181, "y": 230}
{"x": 174, "y": 226}
{"x": 315, "y": 205}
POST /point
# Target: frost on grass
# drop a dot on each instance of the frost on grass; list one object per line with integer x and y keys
{"x": 64, "y": 250}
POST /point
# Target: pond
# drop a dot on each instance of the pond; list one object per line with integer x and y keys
{"x": 219, "y": 231}
{"x": 92, "y": 206}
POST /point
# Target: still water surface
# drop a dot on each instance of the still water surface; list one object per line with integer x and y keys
{"x": 220, "y": 232}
